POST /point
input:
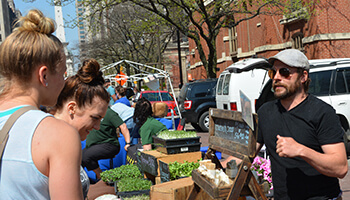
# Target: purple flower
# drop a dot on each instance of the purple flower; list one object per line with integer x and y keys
{"x": 262, "y": 167}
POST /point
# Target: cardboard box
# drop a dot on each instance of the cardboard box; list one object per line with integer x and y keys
{"x": 149, "y": 160}
{"x": 175, "y": 190}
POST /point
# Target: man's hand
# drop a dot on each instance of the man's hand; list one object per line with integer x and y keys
{"x": 287, "y": 147}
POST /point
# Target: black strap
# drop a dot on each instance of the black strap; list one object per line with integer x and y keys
{"x": 4, "y": 132}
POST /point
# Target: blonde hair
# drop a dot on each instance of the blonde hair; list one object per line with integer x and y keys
{"x": 30, "y": 45}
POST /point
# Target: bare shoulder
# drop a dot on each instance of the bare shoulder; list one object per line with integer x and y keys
{"x": 56, "y": 133}
{"x": 55, "y": 142}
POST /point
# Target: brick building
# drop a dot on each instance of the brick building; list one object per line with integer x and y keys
{"x": 325, "y": 35}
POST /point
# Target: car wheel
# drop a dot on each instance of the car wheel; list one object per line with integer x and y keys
{"x": 204, "y": 121}
{"x": 196, "y": 127}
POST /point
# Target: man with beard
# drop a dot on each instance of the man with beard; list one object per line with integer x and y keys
{"x": 302, "y": 134}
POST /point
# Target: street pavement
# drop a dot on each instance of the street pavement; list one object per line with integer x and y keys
{"x": 344, "y": 183}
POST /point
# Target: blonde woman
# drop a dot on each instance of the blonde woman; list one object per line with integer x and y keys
{"x": 42, "y": 157}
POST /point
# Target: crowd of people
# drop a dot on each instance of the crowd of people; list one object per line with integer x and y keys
{"x": 43, "y": 158}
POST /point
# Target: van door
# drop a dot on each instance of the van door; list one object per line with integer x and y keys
{"x": 222, "y": 91}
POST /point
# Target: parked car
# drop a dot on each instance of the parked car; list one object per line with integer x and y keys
{"x": 195, "y": 99}
{"x": 160, "y": 96}
{"x": 129, "y": 93}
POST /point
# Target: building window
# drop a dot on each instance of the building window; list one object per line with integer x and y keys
{"x": 82, "y": 32}
{"x": 233, "y": 43}
{"x": 297, "y": 41}
{"x": 82, "y": 37}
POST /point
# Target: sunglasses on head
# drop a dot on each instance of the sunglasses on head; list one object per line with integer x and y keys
{"x": 285, "y": 72}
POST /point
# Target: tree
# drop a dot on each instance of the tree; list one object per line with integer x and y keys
{"x": 125, "y": 31}
{"x": 202, "y": 20}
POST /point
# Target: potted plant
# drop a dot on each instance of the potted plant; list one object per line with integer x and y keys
{"x": 261, "y": 168}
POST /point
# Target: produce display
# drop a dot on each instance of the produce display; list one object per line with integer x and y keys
{"x": 176, "y": 134}
{"x": 185, "y": 169}
{"x": 133, "y": 184}
{"x": 118, "y": 173}
{"x": 216, "y": 176}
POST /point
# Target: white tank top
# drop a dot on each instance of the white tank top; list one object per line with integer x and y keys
{"x": 19, "y": 178}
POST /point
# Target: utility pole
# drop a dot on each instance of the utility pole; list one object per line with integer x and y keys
{"x": 160, "y": 58}
{"x": 179, "y": 53}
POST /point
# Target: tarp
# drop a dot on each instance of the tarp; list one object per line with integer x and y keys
{"x": 148, "y": 74}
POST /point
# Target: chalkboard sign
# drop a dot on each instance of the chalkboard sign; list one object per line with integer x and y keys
{"x": 164, "y": 171}
{"x": 148, "y": 163}
{"x": 230, "y": 134}
{"x": 232, "y": 130}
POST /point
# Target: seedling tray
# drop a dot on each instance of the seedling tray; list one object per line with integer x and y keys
{"x": 130, "y": 193}
{"x": 171, "y": 142}
{"x": 183, "y": 148}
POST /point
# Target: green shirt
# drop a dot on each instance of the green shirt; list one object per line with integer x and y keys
{"x": 149, "y": 128}
{"x": 107, "y": 132}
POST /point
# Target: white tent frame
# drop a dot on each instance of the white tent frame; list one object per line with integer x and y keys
{"x": 140, "y": 76}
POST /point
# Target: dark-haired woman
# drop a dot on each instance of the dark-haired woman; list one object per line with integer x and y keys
{"x": 148, "y": 125}
{"x": 83, "y": 103}
{"x": 121, "y": 92}
{"x": 42, "y": 156}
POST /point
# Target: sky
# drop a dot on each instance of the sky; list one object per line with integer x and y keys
{"x": 68, "y": 11}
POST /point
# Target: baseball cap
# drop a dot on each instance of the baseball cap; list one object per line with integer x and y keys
{"x": 107, "y": 81}
{"x": 292, "y": 58}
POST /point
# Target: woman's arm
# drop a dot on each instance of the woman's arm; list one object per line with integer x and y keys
{"x": 57, "y": 154}
{"x": 147, "y": 147}
{"x": 125, "y": 131}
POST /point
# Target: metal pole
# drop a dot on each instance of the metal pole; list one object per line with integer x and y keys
{"x": 179, "y": 52}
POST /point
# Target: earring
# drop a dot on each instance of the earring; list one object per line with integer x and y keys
{"x": 46, "y": 84}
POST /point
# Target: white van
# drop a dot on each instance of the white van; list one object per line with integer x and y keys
{"x": 248, "y": 75}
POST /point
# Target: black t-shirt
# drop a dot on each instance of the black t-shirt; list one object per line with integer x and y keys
{"x": 312, "y": 123}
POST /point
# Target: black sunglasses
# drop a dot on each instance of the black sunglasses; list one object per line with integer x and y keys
{"x": 285, "y": 72}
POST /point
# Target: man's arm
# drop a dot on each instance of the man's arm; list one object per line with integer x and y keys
{"x": 258, "y": 147}
{"x": 332, "y": 162}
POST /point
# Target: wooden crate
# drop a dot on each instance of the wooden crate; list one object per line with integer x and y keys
{"x": 209, "y": 187}
{"x": 149, "y": 161}
{"x": 175, "y": 190}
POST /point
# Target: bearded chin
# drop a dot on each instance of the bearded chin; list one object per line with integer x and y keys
{"x": 284, "y": 95}
{"x": 288, "y": 91}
